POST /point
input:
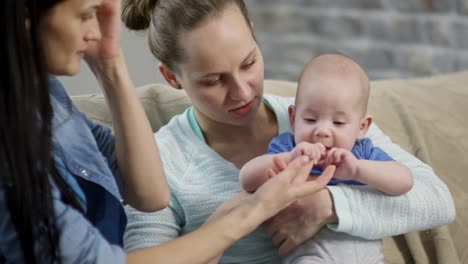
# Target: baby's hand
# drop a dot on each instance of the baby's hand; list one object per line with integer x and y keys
{"x": 315, "y": 151}
{"x": 345, "y": 161}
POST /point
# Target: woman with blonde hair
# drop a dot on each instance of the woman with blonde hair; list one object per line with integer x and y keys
{"x": 208, "y": 48}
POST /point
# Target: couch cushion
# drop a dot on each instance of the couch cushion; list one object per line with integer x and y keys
{"x": 427, "y": 117}
{"x": 160, "y": 102}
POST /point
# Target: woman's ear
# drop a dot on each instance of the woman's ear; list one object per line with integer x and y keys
{"x": 364, "y": 126}
{"x": 169, "y": 76}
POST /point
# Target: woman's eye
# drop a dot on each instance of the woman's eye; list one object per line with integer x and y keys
{"x": 248, "y": 65}
{"x": 212, "y": 82}
{"x": 87, "y": 16}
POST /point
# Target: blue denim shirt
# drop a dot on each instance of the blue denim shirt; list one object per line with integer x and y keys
{"x": 86, "y": 159}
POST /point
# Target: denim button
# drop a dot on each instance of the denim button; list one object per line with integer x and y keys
{"x": 84, "y": 172}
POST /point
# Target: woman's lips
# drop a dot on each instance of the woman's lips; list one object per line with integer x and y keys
{"x": 81, "y": 54}
{"x": 244, "y": 110}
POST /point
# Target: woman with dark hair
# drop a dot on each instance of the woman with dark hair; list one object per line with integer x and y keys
{"x": 44, "y": 134}
{"x": 63, "y": 177}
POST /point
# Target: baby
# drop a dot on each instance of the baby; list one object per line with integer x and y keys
{"x": 329, "y": 121}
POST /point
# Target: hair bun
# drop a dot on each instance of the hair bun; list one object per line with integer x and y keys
{"x": 136, "y": 14}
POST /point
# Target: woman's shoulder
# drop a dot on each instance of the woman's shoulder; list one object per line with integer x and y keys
{"x": 176, "y": 133}
{"x": 174, "y": 128}
{"x": 278, "y": 100}
{"x": 279, "y": 105}
{"x": 178, "y": 146}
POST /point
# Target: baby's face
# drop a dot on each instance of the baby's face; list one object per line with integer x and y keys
{"x": 329, "y": 112}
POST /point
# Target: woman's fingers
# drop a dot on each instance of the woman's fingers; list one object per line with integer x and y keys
{"x": 289, "y": 185}
{"x": 306, "y": 166}
{"x": 286, "y": 246}
{"x": 317, "y": 183}
{"x": 280, "y": 191}
{"x": 278, "y": 239}
{"x": 107, "y": 45}
{"x": 297, "y": 173}
{"x": 287, "y": 215}
{"x": 270, "y": 173}
{"x": 279, "y": 163}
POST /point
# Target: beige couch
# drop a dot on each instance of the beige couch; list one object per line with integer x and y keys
{"x": 427, "y": 117}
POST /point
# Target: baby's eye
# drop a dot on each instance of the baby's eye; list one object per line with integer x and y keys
{"x": 309, "y": 120}
{"x": 338, "y": 123}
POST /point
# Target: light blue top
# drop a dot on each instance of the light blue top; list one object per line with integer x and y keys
{"x": 196, "y": 127}
{"x": 194, "y": 124}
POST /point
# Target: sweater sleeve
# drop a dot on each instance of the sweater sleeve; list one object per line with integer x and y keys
{"x": 149, "y": 229}
{"x": 365, "y": 212}
{"x": 154, "y": 228}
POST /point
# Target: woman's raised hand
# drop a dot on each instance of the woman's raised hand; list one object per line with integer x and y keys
{"x": 108, "y": 46}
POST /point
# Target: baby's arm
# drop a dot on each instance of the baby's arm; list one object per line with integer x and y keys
{"x": 390, "y": 177}
{"x": 254, "y": 173}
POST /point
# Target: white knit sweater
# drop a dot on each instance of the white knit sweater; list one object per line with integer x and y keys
{"x": 200, "y": 180}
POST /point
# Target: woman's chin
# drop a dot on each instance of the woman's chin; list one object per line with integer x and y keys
{"x": 66, "y": 71}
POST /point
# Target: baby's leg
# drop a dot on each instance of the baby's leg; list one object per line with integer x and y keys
{"x": 333, "y": 247}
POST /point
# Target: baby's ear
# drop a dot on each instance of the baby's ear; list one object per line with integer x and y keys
{"x": 364, "y": 125}
{"x": 292, "y": 115}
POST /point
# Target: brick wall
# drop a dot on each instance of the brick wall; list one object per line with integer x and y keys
{"x": 389, "y": 38}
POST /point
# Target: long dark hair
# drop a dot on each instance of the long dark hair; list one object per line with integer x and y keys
{"x": 26, "y": 150}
